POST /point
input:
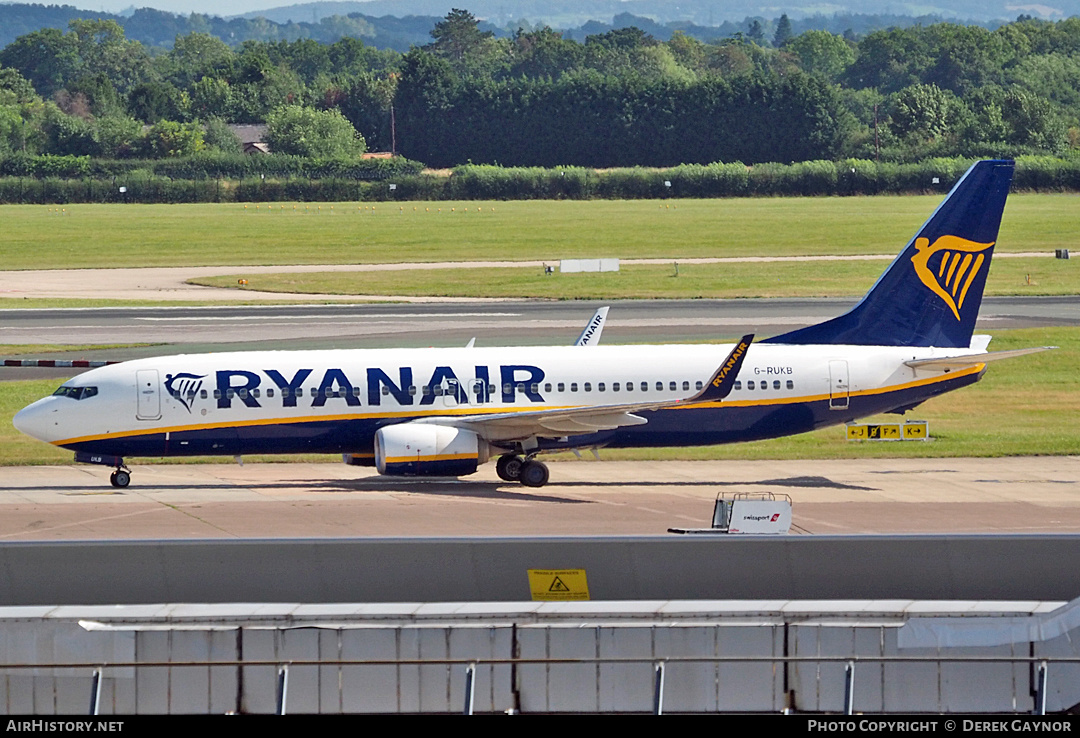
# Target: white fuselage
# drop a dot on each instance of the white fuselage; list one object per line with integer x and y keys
{"x": 333, "y": 401}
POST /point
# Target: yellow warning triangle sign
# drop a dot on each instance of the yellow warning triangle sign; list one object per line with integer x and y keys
{"x": 558, "y": 584}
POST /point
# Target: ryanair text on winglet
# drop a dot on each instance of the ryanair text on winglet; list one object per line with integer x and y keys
{"x": 730, "y": 364}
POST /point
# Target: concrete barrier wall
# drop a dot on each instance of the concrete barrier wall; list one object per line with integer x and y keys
{"x": 1012, "y": 567}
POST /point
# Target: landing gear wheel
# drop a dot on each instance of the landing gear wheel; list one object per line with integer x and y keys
{"x": 508, "y": 467}
{"x": 120, "y": 478}
{"x": 534, "y": 474}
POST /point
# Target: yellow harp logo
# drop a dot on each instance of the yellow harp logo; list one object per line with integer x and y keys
{"x": 958, "y": 261}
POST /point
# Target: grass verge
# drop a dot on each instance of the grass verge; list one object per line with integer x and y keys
{"x": 1015, "y": 276}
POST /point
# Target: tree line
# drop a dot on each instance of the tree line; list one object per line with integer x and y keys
{"x": 618, "y": 98}
{"x": 157, "y": 29}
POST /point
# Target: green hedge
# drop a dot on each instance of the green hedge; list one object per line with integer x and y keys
{"x": 209, "y": 166}
{"x": 481, "y": 182}
{"x": 51, "y": 191}
{"x": 709, "y": 180}
{"x": 1047, "y": 174}
{"x": 336, "y": 181}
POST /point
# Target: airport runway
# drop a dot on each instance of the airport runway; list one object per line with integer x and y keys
{"x": 374, "y": 325}
{"x": 589, "y": 498}
{"x": 446, "y": 324}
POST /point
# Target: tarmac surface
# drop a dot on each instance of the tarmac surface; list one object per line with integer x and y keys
{"x": 1006, "y": 495}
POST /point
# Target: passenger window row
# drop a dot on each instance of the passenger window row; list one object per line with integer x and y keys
{"x": 763, "y": 384}
{"x": 619, "y": 386}
{"x": 440, "y": 390}
{"x": 285, "y": 392}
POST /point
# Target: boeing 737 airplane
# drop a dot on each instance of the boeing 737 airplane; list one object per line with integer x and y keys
{"x": 445, "y": 411}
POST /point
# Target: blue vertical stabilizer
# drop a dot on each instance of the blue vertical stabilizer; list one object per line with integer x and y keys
{"x": 930, "y": 294}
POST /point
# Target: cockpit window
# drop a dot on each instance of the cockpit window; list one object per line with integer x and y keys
{"x": 75, "y": 393}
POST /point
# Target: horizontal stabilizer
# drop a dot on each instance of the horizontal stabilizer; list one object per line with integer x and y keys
{"x": 962, "y": 362}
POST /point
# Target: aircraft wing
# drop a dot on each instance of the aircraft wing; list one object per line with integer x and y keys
{"x": 962, "y": 362}
{"x": 552, "y": 423}
{"x": 584, "y": 419}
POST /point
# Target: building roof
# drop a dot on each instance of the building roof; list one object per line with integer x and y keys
{"x": 249, "y": 132}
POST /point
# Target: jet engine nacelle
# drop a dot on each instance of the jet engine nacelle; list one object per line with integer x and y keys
{"x": 422, "y": 450}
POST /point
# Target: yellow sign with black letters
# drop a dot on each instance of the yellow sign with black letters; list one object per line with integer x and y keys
{"x": 912, "y": 430}
{"x": 558, "y": 585}
{"x": 915, "y": 430}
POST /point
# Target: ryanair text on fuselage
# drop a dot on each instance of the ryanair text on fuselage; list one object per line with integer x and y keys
{"x": 288, "y": 390}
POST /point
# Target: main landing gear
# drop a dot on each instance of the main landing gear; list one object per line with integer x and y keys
{"x": 528, "y": 471}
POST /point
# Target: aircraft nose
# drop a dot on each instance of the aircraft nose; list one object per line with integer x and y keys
{"x": 34, "y": 420}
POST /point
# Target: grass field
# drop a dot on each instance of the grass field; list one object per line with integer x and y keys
{"x": 1025, "y": 406}
{"x": 1016, "y": 276}
{"x": 84, "y": 235}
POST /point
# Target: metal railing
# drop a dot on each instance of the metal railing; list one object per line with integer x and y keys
{"x": 1041, "y": 666}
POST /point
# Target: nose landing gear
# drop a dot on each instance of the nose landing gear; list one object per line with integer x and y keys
{"x": 121, "y": 477}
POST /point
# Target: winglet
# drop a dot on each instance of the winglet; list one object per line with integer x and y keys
{"x": 723, "y": 380}
{"x": 591, "y": 335}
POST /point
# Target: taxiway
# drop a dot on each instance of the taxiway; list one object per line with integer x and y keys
{"x": 590, "y": 498}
